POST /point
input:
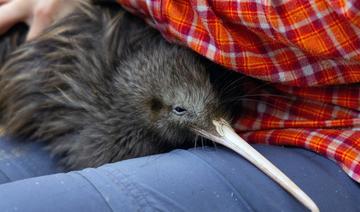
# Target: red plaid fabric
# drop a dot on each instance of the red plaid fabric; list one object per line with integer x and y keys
{"x": 308, "y": 52}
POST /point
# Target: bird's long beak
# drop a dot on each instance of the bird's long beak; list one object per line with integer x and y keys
{"x": 228, "y": 137}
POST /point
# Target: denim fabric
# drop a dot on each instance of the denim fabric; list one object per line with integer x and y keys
{"x": 202, "y": 179}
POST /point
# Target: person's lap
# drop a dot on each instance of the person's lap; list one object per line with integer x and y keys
{"x": 21, "y": 160}
{"x": 205, "y": 179}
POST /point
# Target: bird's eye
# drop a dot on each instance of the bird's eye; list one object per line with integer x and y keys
{"x": 179, "y": 111}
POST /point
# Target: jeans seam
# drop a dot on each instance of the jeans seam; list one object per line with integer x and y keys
{"x": 136, "y": 193}
{"x": 222, "y": 177}
{"x": 96, "y": 189}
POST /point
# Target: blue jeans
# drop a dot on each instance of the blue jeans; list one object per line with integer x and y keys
{"x": 202, "y": 179}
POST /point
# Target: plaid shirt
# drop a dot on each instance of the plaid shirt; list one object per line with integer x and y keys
{"x": 308, "y": 51}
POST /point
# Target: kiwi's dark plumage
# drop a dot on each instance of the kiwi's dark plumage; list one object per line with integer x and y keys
{"x": 101, "y": 86}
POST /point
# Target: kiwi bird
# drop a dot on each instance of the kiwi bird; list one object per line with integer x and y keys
{"x": 101, "y": 86}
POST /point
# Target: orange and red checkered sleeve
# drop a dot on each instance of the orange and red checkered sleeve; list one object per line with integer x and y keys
{"x": 308, "y": 50}
{"x": 296, "y": 42}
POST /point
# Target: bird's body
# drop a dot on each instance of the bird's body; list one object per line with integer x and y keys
{"x": 101, "y": 87}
